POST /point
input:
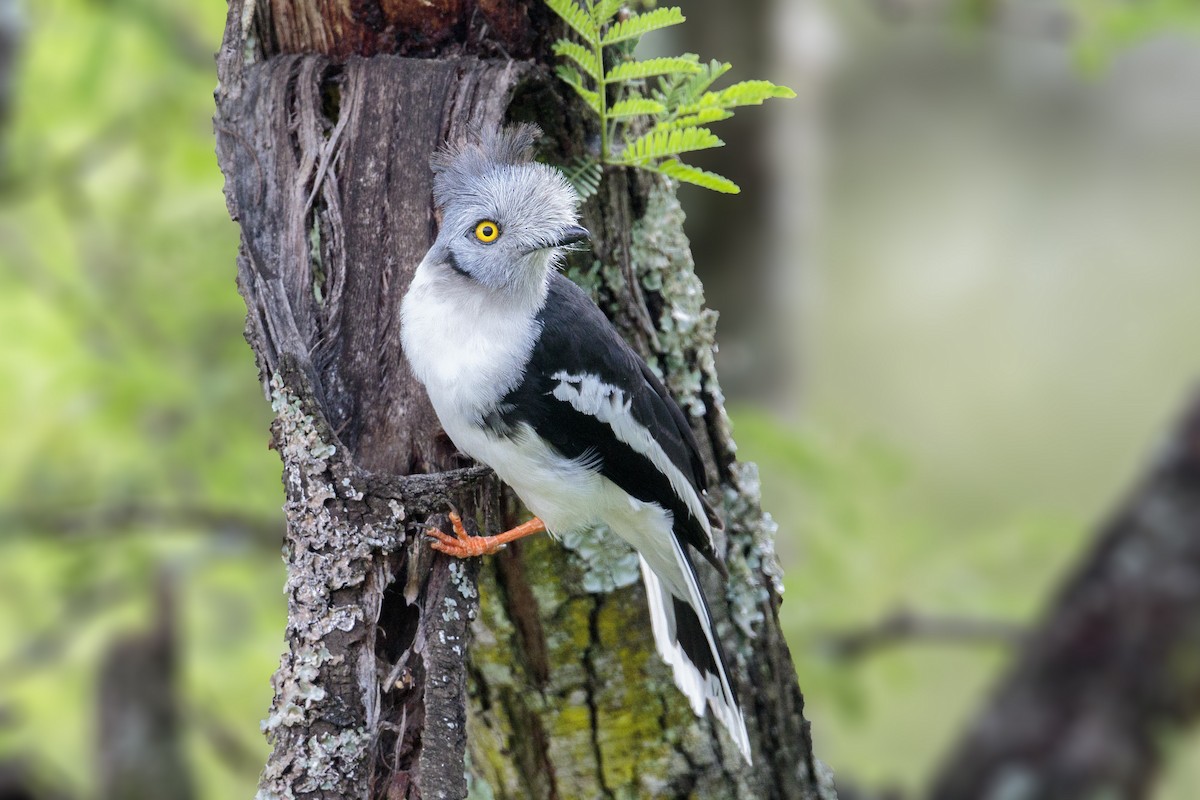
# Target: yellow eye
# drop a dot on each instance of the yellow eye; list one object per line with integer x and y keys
{"x": 487, "y": 231}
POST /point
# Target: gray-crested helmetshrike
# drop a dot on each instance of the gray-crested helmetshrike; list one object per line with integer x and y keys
{"x": 528, "y": 376}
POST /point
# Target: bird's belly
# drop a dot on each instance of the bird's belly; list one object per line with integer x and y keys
{"x": 566, "y": 494}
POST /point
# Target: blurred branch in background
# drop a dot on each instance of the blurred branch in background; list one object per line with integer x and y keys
{"x": 752, "y": 252}
{"x": 12, "y": 29}
{"x": 229, "y": 745}
{"x": 132, "y": 421}
{"x": 1098, "y": 30}
{"x": 21, "y": 781}
{"x": 904, "y": 626}
{"x": 1114, "y": 666}
{"x": 140, "y": 740}
{"x": 113, "y": 520}
{"x": 80, "y": 607}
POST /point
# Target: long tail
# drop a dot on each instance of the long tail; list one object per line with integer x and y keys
{"x": 683, "y": 633}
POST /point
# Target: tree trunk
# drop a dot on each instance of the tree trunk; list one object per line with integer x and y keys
{"x": 327, "y": 114}
{"x": 1115, "y": 666}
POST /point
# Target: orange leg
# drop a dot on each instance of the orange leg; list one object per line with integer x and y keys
{"x": 462, "y": 545}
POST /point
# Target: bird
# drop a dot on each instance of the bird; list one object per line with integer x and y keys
{"x": 529, "y": 377}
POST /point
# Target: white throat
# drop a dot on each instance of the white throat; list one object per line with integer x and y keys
{"x": 468, "y": 343}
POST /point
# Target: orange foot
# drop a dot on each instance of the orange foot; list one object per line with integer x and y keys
{"x": 462, "y": 545}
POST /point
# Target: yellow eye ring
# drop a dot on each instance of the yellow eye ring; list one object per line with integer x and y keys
{"x": 487, "y": 231}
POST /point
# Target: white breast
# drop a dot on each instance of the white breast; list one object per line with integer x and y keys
{"x": 465, "y": 345}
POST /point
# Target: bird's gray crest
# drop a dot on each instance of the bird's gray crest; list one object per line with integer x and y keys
{"x": 456, "y": 167}
{"x": 491, "y": 182}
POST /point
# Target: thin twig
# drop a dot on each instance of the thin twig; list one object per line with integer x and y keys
{"x": 904, "y": 626}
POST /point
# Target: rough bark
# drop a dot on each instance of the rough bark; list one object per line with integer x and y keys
{"x": 324, "y": 134}
{"x": 1114, "y": 668}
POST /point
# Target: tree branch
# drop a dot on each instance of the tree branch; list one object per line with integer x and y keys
{"x": 1109, "y": 671}
{"x": 106, "y": 520}
{"x": 904, "y": 626}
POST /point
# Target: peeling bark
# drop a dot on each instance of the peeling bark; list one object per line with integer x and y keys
{"x": 324, "y": 134}
{"x": 1114, "y": 667}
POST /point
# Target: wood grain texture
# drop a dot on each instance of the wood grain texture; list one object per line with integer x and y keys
{"x": 326, "y": 261}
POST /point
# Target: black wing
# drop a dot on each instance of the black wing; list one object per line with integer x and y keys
{"x": 578, "y": 340}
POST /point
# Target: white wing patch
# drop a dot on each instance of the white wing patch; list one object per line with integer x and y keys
{"x": 590, "y": 395}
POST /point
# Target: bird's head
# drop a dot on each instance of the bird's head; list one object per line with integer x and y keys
{"x": 506, "y": 219}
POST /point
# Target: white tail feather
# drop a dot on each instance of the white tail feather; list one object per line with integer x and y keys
{"x": 701, "y": 690}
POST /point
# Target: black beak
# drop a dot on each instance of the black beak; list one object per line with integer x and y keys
{"x": 573, "y": 235}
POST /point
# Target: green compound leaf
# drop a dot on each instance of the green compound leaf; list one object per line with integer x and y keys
{"x": 635, "y": 26}
{"x": 635, "y": 106}
{"x": 702, "y": 117}
{"x": 584, "y": 174}
{"x": 585, "y": 58}
{"x": 632, "y": 70}
{"x": 575, "y": 16}
{"x": 698, "y": 83}
{"x": 603, "y": 11}
{"x": 661, "y": 143}
{"x": 685, "y": 88}
{"x": 676, "y": 110}
{"x": 746, "y": 93}
{"x": 674, "y": 168}
{"x": 752, "y": 93}
{"x": 572, "y": 78}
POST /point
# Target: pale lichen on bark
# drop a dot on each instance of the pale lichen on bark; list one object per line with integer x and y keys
{"x": 685, "y": 346}
{"x": 752, "y": 530}
{"x": 605, "y": 560}
{"x": 686, "y": 331}
{"x": 325, "y": 555}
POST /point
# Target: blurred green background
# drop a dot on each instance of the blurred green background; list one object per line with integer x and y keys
{"x": 990, "y": 309}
